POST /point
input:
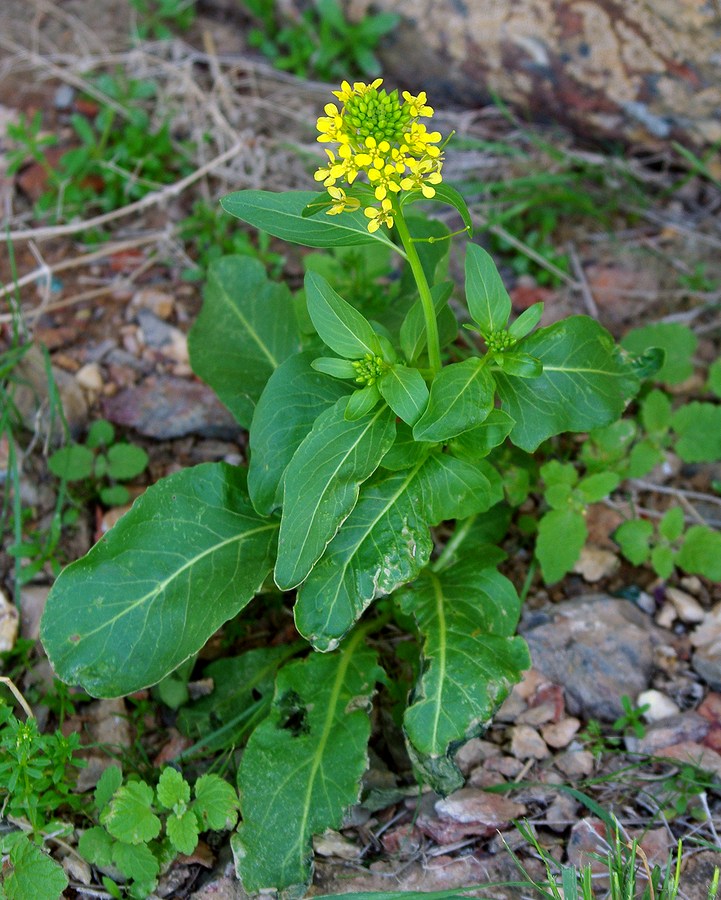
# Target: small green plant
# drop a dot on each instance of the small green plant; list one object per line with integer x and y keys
{"x": 100, "y": 463}
{"x": 319, "y": 41}
{"x": 142, "y": 829}
{"x": 26, "y": 871}
{"x": 632, "y": 718}
{"x": 160, "y": 18}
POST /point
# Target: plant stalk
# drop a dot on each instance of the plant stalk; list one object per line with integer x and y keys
{"x": 424, "y": 291}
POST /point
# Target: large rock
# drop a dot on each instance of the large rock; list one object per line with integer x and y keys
{"x": 638, "y": 70}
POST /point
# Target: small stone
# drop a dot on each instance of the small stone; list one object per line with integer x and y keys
{"x": 470, "y": 806}
{"x": 111, "y": 516}
{"x": 692, "y": 584}
{"x": 90, "y": 378}
{"x": 666, "y": 616}
{"x": 403, "y": 841}
{"x": 687, "y": 608}
{"x": 660, "y": 706}
{"x": 331, "y": 843}
{"x": 527, "y": 743}
{"x": 511, "y": 708}
{"x": 694, "y": 753}
{"x": 63, "y": 99}
{"x": 562, "y": 812}
{"x": 656, "y": 843}
{"x": 687, "y": 726}
{"x": 575, "y": 763}
{"x": 586, "y": 844}
{"x": 538, "y": 715}
{"x": 595, "y": 563}
{"x": 158, "y": 302}
{"x": 706, "y": 662}
{"x": 473, "y": 752}
{"x": 77, "y": 869}
{"x": 560, "y": 734}
{"x": 508, "y": 766}
{"x": 9, "y": 624}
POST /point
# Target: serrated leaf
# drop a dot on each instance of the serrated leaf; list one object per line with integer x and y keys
{"x": 183, "y": 831}
{"x": 136, "y": 861}
{"x": 561, "y": 536}
{"x": 72, "y": 463}
{"x": 698, "y": 426}
{"x": 96, "y": 846}
{"x": 413, "y": 327}
{"x": 172, "y": 789}
{"x": 129, "y": 817}
{"x": 595, "y": 487}
{"x": 293, "y": 398}
{"x": 119, "y": 619}
{"x": 216, "y": 803}
{"x": 479, "y": 441}
{"x": 339, "y": 325}
{"x": 302, "y": 766}
{"x": 125, "y": 461}
{"x": 467, "y": 616}
{"x": 322, "y": 483}
{"x": 634, "y": 539}
{"x": 107, "y": 785}
{"x": 701, "y": 552}
{"x": 672, "y": 524}
{"x": 461, "y": 398}
{"x": 486, "y": 295}
{"x": 30, "y": 874}
{"x": 405, "y": 391}
{"x": 677, "y": 341}
{"x": 245, "y": 330}
{"x": 281, "y": 214}
{"x": 585, "y": 382}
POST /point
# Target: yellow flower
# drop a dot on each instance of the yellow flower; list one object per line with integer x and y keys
{"x": 418, "y": 105}
{"x": 341, "y": 201}
{"x": 378, "y": 217}
{"x": 359, "y": 88}
{"x": 420, "y": 141}
{"x": 326, "y": 175}
{"x": 423, "y": 174}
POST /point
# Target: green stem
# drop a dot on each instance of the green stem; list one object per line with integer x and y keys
{"x": 457, "y": 538}
{"x": 424, "y": 291}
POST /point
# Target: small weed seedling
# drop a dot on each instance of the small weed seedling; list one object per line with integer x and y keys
{"x": 158, "y": 19}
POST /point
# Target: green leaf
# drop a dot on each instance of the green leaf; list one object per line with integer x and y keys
{"x": 136, "y": 861}
{"x": 678, "y": 342}
{"x": 30, "y": 874}
{"x": 585, "y": 382}
{"x": 406, "y": 451}
{"x": 486, "y": 295}
{"x": 292, "y": 400}
{"x": 115, "y": 495}
{"x": 455, "y": 489}
{"x": 282, "y": 216}
{"x": 634, "y": 539}
{"x": 405, "y": 391}
{"x": 125, "y": 461}
{"x": 322, "y": 483}
{"x": 216, "y": 803}
{"x": 714, "y": 377}
{"x": 362, "y": 403}
{"x": 479, "y": 441}
{"x": 643, "y": 457}
{"x": 413, "y": 327}
{"x": 526, "y": 322}
{"x": 96, "y": 846}
{"x": 302, "y": 766}
{"x": 129, "y": 817}
{"x": 662, "y": 560}
{"x": 336, "y": 368}
{"x": 561, "y": 536}
{"x": 183, "y": 831}
{"x": 698, "y": 426}
{"x": 107, "y": 785}
{"x": 701, "y": 552}
{"x": 467, "y": 616}
{"x": 656, "y": 412}
{"x": 72, "y": 463}
{"x": 519, "y": 365}
{"x": 672, "y": 524}
{"x": 461, "y": 398}
{"x": 188, "y": 556}
{"x": 100, "y": 434}
{"x": 339, "y": 325}
{"x": 245, "y": 330}
{"x": 172, "y": 789}
{"x": 444, "y": 193}
{"x": 595, "y": 487}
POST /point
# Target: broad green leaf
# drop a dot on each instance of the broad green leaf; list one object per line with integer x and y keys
{"x": 182, "y": 830}
{"x": 479, "y": 441}
{"x": 643, "y": 457}
{"x": 677, "y": 341}
{"x": 461, "y": 398}
{"x": 72, "y": 463}
{"x": 216, "y": 803}
{"x": 339, "y": 325}
{"x": 672, "y": 524}
{"x": 406, "y": 451}
{"x": 31, "y": 874}
{"x": 405, "y": 391}
{"x": 384, "y": 543}
{"x": 698, "y": 426}
{"x": 129, "y": 817}
{"x": 362, "y": 402}
{"x": 413, "y": 327}
{"x": 96, "y": 846}
{"x": 595, "y": 487}
{"x": 454, "y": 489}
{"x": 336, "y": 368}
{"x": 519, "y": 365}
{"x": 172, "y": 788}
{"x": 245, "y": 330}
{"x": 303, "y": 765}
{"x": 292, "y": 400}
{"x": 188, "y": 556}
{"x": 282, "y": 216}
{"x": 135, "y": 861}
{"x": 586, "y": 382}
{"x": 322, "y": 482}
{"x": 561, "y": 536}
{"x": 486, "y": 295}
{"x": 634, "y": 538}
{"x": 526, "y": 322}
{"x": 467, "y": 616}
{"x": 701, "y": 552}
{"x": 125, "y": 461}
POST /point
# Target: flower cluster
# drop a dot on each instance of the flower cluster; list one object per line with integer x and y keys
{"x": 380, "y": 135}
